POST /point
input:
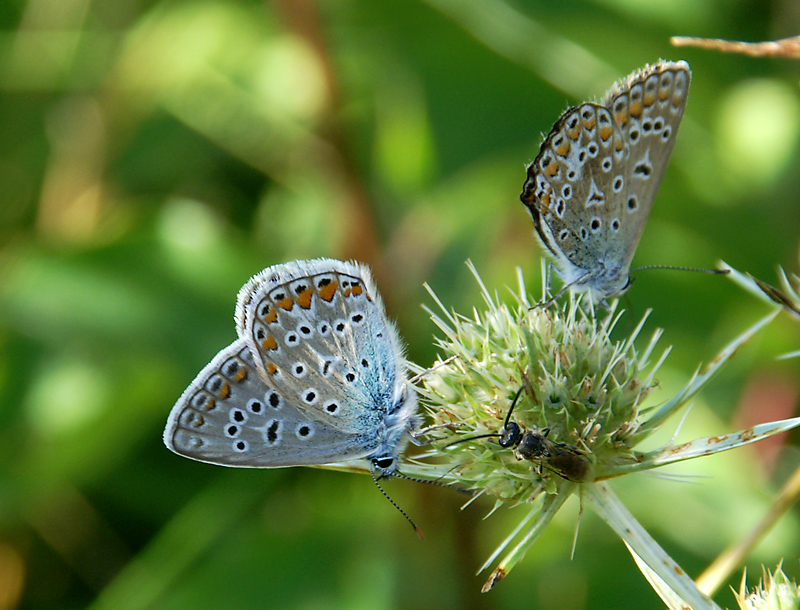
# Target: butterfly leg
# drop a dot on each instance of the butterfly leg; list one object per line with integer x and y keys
{"x": 414, "y": 437}
{"x": 544, "y": 304}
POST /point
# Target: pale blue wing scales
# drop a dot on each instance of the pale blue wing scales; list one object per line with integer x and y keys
{"x": 320, "y": 335}
{"x": 229, "y": 416}
{"x": 571, "y": 182}
{"x": 317, "y": 376}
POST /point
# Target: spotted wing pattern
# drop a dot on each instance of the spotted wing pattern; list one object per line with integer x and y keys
{"x": 591, "y": 188}
{"x": 316, "y": 376}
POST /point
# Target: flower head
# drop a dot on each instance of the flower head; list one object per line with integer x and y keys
{"x": 577, "y": 419}
{"x": 578, "y": 394}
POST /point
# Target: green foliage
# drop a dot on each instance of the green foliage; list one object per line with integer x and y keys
{"x": 154, "y": 155}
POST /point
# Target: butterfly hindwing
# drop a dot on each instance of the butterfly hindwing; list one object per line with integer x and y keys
{"x": 324, "y": 341}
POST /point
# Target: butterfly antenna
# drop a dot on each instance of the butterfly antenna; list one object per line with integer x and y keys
{"x": 402, "y": 512}
{"x": 676, "y": 268}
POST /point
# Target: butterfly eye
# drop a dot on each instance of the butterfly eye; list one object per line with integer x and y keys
{"x": 627, "y": 284}
{"x": 383, "y": 463}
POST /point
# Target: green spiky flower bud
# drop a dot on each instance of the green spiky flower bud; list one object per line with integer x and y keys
{"x": 580, "y": 396}
{"x": 773, "y": 592}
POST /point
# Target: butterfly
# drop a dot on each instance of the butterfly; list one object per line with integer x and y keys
{"x": 317, "y": 376}
{"x": 592, "y": 185}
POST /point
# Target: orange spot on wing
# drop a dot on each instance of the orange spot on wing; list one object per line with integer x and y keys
{"x": 357, "y": 290}
{"x": 286, "y": 303}
{"x": 648, "y": 100}
{"x": 326, "y": 293}
{"x": 663, "y": 94}
{"x": 605, "y": 133}
{"x": 635, "y": 109}
{"x": 563, "y": 149}
{"x": 269, "y": 343}
{"x": 272, "y": 316}
{"x": 551, "y": 169}
{"x": 304, "y": 298}
{"x": 588, "y": 124}
{"x": 198, "y": 420}
{"x": 224, "y": 391}
{"x": 240, "y": 375}
{"x": 271, "y": 368}
{"x": 209, "y": 405}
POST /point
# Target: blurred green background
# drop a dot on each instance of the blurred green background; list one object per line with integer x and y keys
{"x": 155, "y": 154}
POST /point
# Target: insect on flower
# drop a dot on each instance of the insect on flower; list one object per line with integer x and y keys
{"x": 567, "y": 461}
{"x": 584, "y": 385}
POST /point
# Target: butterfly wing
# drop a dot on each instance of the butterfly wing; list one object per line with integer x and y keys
{"x": 647, "y": 109}
{"x": 229, "y": 416}
{"x": 317, "y": 376}
{"x": 320, "y": 335}
{"x": 566, "y": 189}
{"x": 591, "y": 188}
